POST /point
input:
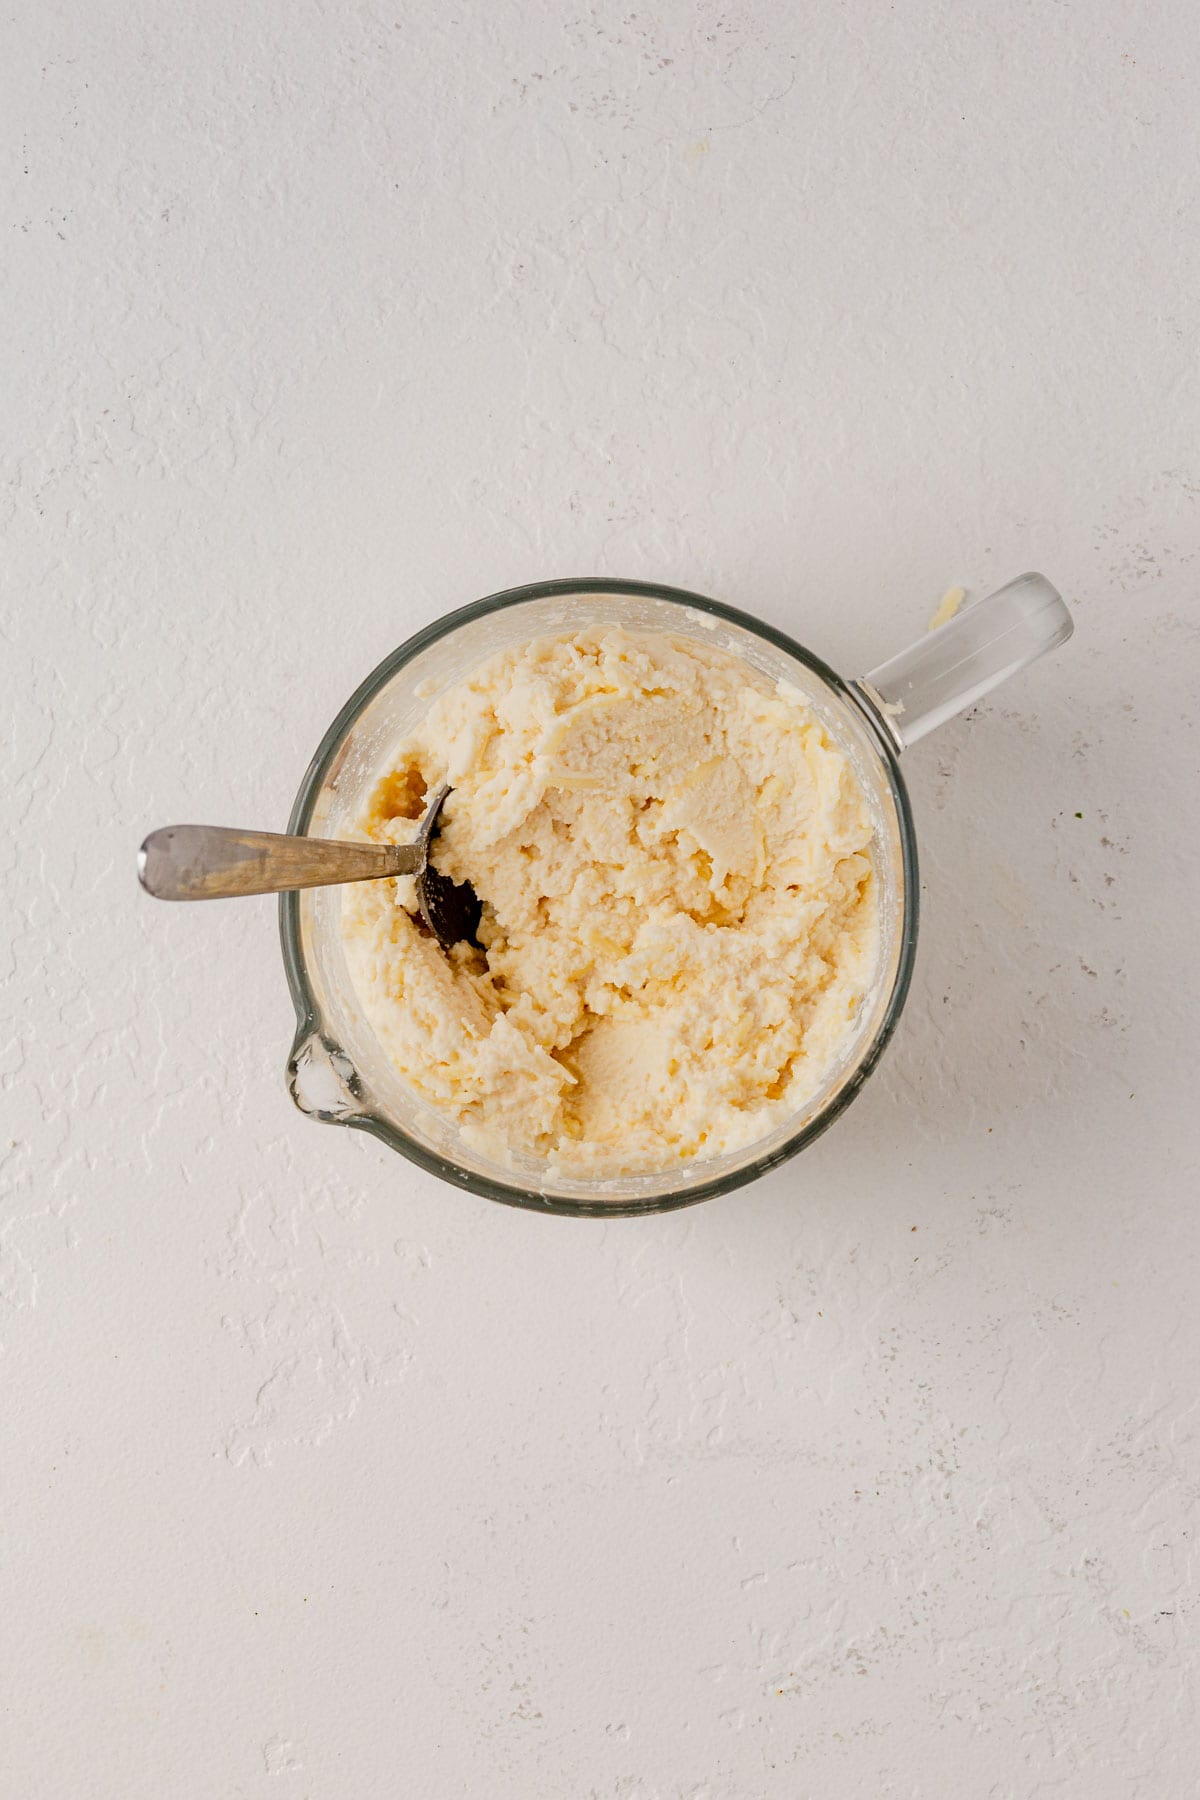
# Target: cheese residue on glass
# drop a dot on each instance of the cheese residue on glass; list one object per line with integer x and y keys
{"x": 948, "y": 606}
{"x": 680, "y": 916}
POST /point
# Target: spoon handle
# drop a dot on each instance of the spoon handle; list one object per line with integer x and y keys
{"x": 214, "y": 862}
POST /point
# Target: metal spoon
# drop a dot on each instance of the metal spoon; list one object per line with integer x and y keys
{"x": 215, "y": 862}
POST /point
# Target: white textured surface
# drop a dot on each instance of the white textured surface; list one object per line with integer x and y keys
{"x": 881, "y": 1477}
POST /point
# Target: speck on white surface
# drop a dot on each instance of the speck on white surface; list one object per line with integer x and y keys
{"x": 881, "y": 1477}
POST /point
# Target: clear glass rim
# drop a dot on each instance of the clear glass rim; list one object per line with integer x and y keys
{"x": 308, "y": 1015}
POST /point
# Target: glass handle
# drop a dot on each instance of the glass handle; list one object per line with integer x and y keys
{"x": 958, "y": 663}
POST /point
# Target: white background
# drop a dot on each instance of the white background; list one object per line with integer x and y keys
{"x": 881, "y": 1477}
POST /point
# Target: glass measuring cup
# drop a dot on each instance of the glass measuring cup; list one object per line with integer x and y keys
{"x": 337, "y": 1071}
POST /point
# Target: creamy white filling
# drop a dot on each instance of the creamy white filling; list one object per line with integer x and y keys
{"x": 680, "y": 917}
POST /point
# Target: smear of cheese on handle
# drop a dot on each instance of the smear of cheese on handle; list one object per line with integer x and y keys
{"x": 948, "y": 605}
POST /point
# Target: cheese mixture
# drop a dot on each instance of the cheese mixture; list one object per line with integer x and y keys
{"x": 680, "y": 911}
